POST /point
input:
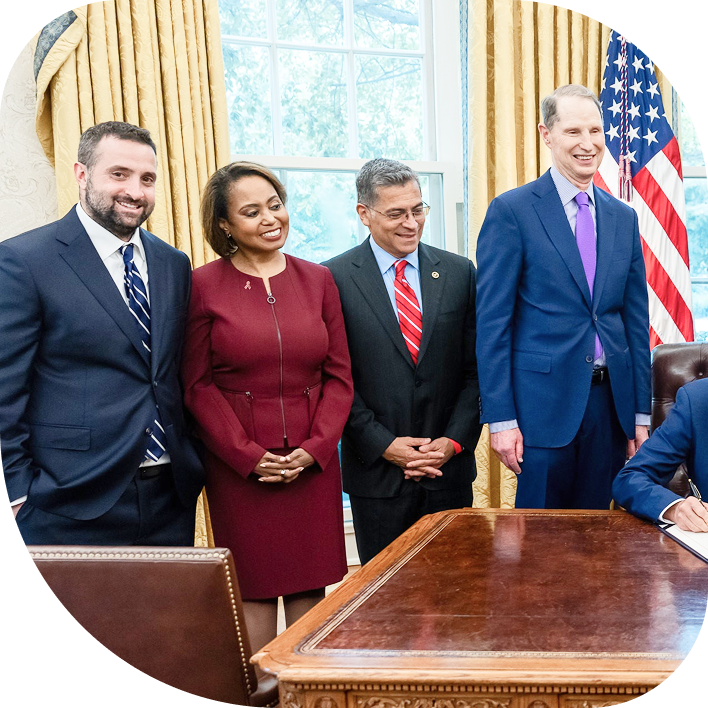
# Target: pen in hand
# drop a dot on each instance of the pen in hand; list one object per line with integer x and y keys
{"x": 694, "y": 490}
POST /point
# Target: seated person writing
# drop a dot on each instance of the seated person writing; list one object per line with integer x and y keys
{"x": 641, "y": 487}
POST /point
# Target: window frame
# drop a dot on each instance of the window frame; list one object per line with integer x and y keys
{"x": 442, "y": 117}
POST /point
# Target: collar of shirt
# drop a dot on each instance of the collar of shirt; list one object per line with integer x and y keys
{"x": 385, "y": 260}
{"x": 108, "y": 247}
{"x": 567, "y": 191}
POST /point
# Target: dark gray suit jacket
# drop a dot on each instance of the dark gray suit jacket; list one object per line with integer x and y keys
{"x": 392, "y": 397}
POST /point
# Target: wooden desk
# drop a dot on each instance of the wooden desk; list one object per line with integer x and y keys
{"x": 499, "y": 609}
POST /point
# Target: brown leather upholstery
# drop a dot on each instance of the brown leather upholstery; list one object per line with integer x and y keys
{"x": 674, "y": 365}
{"x": 174, "y": 613}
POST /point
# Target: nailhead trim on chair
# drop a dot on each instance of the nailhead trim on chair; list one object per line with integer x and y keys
{"x": 179, "y": 556}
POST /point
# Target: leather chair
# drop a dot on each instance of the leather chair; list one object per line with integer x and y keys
{"x": 674, "y": 365}
{"x": 174, "y": 613}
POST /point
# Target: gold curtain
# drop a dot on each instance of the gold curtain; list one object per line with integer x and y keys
{"x": 519, "y": 52}
{"x": 153, "y": 63}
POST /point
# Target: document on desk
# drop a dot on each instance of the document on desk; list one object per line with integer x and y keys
{"x": 697, "y": 543}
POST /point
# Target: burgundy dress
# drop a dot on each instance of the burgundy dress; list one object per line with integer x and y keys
{"x": 259, "y": 376}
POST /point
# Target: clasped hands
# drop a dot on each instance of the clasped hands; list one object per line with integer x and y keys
{"x": 419, "y": 457}
{"x": 277, "y": 469}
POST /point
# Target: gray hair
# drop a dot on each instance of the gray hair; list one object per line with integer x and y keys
{"x": 381, "y": 172}
{"x": 549, "y": 105}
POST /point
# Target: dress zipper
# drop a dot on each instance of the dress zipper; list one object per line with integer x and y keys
{"x": 271, "y": 302}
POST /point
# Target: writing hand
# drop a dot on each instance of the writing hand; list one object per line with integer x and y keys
{"x": 689, "y": 515}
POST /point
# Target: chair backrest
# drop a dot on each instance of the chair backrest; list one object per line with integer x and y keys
{"x": 674, "y": 365}
{"x": 174, "y": 613}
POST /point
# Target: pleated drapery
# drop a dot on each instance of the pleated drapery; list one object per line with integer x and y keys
{"x": 154, "y": 63}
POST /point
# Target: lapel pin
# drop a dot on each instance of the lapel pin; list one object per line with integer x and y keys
{"x": 247, "y": 286}
{"x": 435, "y": 274}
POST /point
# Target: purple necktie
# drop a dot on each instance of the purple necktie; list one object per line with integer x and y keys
{"x": 585, "y": 236}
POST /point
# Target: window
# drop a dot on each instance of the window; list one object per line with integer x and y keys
{"x": 696, "y": 190}
{"x": 315, "y": 88}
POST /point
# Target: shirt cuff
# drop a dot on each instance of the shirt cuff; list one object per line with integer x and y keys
{"x": 21, "y": 500}
{"x": 661, "y": 516}
{"x": 503, "y": 425}
{"x": 456, "y": 445}
{"x": 642, "y": 419}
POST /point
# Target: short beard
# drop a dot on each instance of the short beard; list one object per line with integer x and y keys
{"x": 104, "y": 213}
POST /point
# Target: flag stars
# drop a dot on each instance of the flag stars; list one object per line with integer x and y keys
{"x": 652, "y": 113}
{"x": 636, "y": 87}
{"x": 634, "y": 111}
{"x": 612, "y": 132}
{"x": 617, "y": 86}
{"x": 650, "y": 137}
{"x": 638, "y": 63}
{"x": 633, "y": 133}
{"x": 631, "y": 155}
{"x": 620, "y": 61}
{"x": 653, "y": 90}
{"x": 616, "y": 108}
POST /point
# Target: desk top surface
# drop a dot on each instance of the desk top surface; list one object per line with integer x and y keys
{"x": 555, "y": 591}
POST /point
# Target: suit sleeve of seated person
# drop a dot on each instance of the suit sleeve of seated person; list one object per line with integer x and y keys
{"x": 642, "y": 486}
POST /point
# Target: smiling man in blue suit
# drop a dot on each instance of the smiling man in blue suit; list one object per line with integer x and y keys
{"x": 562, "y": 320}
{"x": 92, "y": 312}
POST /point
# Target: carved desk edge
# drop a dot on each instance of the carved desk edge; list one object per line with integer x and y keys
{"x": 504, "y": 678}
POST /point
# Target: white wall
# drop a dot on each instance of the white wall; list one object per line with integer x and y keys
{"x": 28, "y": 194}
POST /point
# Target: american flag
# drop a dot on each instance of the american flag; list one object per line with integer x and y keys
{"x": 642, "y": 166}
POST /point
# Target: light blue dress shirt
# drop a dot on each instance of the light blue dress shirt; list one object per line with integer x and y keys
{"x": 386, "y": 265}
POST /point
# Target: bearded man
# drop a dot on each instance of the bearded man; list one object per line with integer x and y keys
{"x": 92, "y": 312}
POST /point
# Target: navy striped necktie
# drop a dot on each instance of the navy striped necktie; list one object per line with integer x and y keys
{"x": 140, "y": 308}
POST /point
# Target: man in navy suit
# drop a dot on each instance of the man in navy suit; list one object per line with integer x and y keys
{"x": 562, "y": 320}
{"x": 92, "y": 311}
{"x": 641, "y": 486}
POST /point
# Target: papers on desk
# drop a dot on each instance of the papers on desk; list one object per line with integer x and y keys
{"x": 697, "y": 543}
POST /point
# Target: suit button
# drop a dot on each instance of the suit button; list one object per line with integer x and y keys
{"x": 154, "y": 383}
{"x": 588, "y": 359}
{"x": 148, "y": 431}
{"x": 418, "y": 384}
{"x": 595, "y": 317}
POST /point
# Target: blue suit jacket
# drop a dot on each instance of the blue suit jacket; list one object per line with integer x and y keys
{"x": 536, "y": 322}
{"x": 77, "y": 392}
{"x": 641, "y": 485}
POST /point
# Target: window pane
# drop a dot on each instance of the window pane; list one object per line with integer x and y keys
{"x": 700, "y": 312}
{"x": 691, "y": 152}
{"x": 244, "y": 18}
{"x": 248, "y": 98}
{"x": 323, "y": 218}
{"x": 314, "y": 103}
{"x": 389, "y": 107}
{"x": 696, "y": 190}
{"x": 393, "y": 24}
{"x": 311, "y": 21}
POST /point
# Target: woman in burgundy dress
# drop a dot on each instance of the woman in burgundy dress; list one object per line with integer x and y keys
{"x": 267, "y": 378}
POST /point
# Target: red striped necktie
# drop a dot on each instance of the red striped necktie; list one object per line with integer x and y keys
{"x": 409, "y": 316}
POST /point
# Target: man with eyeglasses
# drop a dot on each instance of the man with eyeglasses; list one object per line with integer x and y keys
{"x": 409, "y": 310}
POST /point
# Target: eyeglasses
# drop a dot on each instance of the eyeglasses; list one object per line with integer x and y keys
{"x": 418, "y": 213}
